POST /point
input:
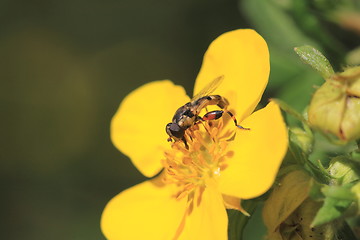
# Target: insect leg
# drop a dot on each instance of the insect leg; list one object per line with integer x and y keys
{"x": 235, "y": 121}
{"x": 213, "y": 115}
{"x": 185, "y": 142}
{"x": 210, "y": 116}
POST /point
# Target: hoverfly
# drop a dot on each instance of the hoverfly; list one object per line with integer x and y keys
{"x": 188, "y": 115}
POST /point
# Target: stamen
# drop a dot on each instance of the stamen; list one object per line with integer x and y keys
{"x": 204, "y": 159}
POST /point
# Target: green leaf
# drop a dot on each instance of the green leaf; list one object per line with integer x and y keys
{"x": 339, "y": 192}
{"x": 331, "y": 210}
{"x": 337, "y": 202}
{"x": 238, "y": 221}
{"x": 316, "y": 60}
{"x": 236, "y": 224}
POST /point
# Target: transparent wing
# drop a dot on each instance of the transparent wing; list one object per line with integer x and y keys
{"x": 209, "y": 88}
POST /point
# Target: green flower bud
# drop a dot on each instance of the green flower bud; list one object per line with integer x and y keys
{"x": 343, "y": 170}
{"x": 302, "y": 138}
{"x": 335, "y": 106}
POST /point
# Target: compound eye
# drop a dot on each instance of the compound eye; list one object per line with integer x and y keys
{"x": 174, "y": 130}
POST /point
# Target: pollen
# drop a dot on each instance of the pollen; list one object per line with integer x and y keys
{"x": 194, "y": 165}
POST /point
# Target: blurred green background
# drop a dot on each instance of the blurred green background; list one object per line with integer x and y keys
{"x": 66, "y": 65}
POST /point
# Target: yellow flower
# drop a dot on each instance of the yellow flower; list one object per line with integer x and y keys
{"x": 222, "y": 164}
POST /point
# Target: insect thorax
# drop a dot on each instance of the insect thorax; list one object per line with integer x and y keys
{"x": 184, "y": 116}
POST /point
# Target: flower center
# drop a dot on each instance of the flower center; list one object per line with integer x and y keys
{"x": 203, "y": 160}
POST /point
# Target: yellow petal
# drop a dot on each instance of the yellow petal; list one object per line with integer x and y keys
{"x": 242, "y": 57}
{"x": 208, "y": 220}
{"x": 138, "y": 127}
{"x": 145, "y": 211}
{"x": 258, "y": 153}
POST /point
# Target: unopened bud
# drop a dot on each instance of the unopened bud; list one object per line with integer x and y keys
{"x": 303, "y": 139}
{"x": 335, "y": 106}
{"x": 343, "y": 170}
